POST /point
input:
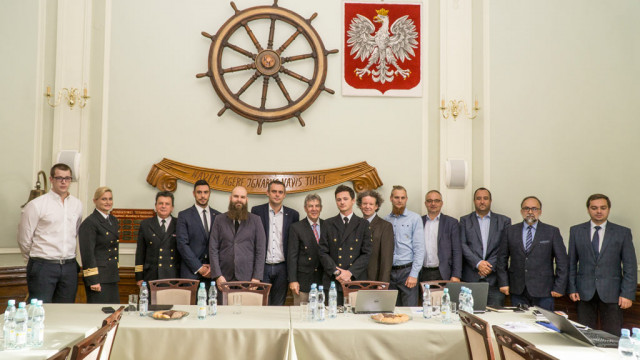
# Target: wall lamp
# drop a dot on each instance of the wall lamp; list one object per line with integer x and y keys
{"x": 457, "y": 107}
{"x": 71, "y": 95}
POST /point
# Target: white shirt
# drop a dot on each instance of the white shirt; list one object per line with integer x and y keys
{"x": 431, "y": 228}
{"x": 49, "y": 226}
{"x": 167, "y": 221}
{"x": 275, "y": 252}
{"x": 603, "y": 226}
{"x": 342, "y": 216}
{"x": 207, "y": 214}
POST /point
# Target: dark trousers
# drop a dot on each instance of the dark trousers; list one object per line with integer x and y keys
{"x": 495, "y": 297}
{"x": 429, "y": 274}
{"x": 406, "y": 296}
{"x": 108, "y": 294}
{"x": 276, "y": 275}
{"x": 610, "y": 314}
{"x": 524, "y": 298}
{"x": 52, "y": 283}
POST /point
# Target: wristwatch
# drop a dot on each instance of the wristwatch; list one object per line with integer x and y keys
{"x": 337, "y": 272}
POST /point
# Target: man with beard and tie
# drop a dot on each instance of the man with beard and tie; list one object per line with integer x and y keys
{"x": 532, "y": 247}
{"x": 237, "y": 244}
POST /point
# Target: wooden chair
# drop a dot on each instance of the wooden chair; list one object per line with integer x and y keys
{"x": 350, "y": 288}
{"x": 537, "y": 354}
{"x": 477, "y": 335}
{"x": 113, "y": 321}
{"x": 253, "y": 294}
{"x": 174, "y": 291}
{"x": 511, "y": 346}
{"x": 91, "y": 346}
{"x": 60, "y": 355}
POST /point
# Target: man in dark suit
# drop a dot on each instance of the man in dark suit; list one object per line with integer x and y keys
{"x": 276, "y": 220}
{"x": 480, "y": 234}
{"x": 602, "y": 268}
{"x": 345, "y": 245}
{"x": 192, "y": 232}
{"x": 157, "y": 254}
{"x": 303, "y": 260}
{"x": 381, "y": 259}
{"x": 443, "y": 251}
{"x": 532, "y": 247}
{"x": 237, "y": 244}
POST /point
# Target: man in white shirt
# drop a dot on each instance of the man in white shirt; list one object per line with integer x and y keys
{"x": 47, "y": 238}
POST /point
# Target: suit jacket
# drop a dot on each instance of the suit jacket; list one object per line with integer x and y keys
{"x": 347, "y": 248}
{"x": 303, "y": 259}
{"x": 237, "y": 256}
{"x": 604, "y": 274}
{"x": 471, "y": 241}
{"x": 157, "y": 255}
{"x": 290, "y": 216}
{"x": 99, "y": 249}
{"x": 382, "y": 244}
{"x": 193, "y": 241}
{"x": 533, "y": 269}
{"x": 449, "y": 247}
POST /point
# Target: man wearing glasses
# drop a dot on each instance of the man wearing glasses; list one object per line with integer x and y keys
{"x": 532, "y": 247}
{"x": 47, "y": 238}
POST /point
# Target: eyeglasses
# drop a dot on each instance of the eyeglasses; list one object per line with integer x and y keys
{"x": 532, "y": 209}
{"x": 62, "y": 179}
{"x": 434, "y": 201}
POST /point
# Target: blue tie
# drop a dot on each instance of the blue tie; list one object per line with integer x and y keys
{"x": 596, "y": 241}
{"x": 529, "y": 239}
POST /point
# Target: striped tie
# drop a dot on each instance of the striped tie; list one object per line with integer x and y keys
{"x": 315, "y": 232}
{"x": 529, "y": 240}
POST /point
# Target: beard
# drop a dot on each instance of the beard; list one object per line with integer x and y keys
{"x": 241, "y": 214}
{"x": 397, "y": 211}
{"x": 530, "y": 220}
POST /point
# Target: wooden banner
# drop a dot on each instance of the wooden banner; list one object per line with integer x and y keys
{"x": 164, "y": 176}
{"x": 129, "y": 221}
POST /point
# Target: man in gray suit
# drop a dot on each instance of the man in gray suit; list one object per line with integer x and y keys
{"x": 480, "y": 234}
{"x": 237, "y": 242}
{"x": 602, "y": 268}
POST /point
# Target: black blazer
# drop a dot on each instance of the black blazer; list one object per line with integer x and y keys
{"x": 157, "y": 255}
{"x": 192, "y": 240}
{"x": 449, "y": 247}
{"x": 290, "y": 216}
{"x": 99, "y": 249}
{"x": 303, "y": 259}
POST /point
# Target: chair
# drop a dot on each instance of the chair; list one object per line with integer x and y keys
{"x": 511, "y": 346}
{"x": 477, "y": 335}
{"x": 113, "y": 321}
{"x": 253, "y": 293}
{"x": 350, "y": 288}
{"x": 174, "y": 291}
{"x": 60, "y": 355}
{"x": 91, "y": 346}
{"x": 537, "y": 354}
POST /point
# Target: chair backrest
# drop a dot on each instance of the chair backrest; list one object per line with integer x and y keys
{"x": 253, "y": 293}
{"x": 174, "y": 291}
{"x": 91, "y": 346}
{"x": 113, "y": 321}
{"x": 436, "y": 287}
{"x": 537, "y": 354}
{"x": 510, "y": 345}
{"x": 60, "y": 355}
{"x": 478, "y": 336}
{"x": 350, "y": 288}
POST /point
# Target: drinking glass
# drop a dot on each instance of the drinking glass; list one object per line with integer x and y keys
{"x": 133, "y": 304}
{"x": 304, "y": 311}
{"x": 237, "y": 303}
{"x": 347, "y": 306}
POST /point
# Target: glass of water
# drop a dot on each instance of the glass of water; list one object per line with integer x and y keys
{"x": 133, "y": 304}
{"x": 304, "y": 311}
{"x": 237, "y": 303}
{"x": 347, "y": 305}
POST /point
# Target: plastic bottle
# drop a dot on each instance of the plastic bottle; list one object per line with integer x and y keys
{"x": 21, "y": 326}
{"x": 470, "y": 300}
{"x": 10, "y": 325}
{"x": 320, "y": 314}
{"x": 445, "y": 307}
{"x": 37, "y": 332}
{"x": 212, "y": 304}
{"x": 426, "y": 302}
{"x": 333, "y": 301}
{"x": 144, "y": 299}
{"x": 30, "y": 310}
{"x": 625, "y": 347}
{"x": 635, "y": 340}
{"x": 202, "y": 302}
{"x": 313, "y": 301}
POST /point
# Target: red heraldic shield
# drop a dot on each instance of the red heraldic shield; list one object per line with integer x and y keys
{"x": 381, "y": 47}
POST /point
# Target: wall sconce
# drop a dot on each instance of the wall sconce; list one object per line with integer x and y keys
{"x": 457, "y": 107}
{"x": 72, "y": 97}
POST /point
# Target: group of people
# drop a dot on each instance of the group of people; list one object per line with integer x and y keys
{"x": 528, "y": 260}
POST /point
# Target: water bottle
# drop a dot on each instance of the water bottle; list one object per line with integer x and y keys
{"x": 333, "y": 301}
{"x": 635, "y": 341}
{"x": 144, "y": 299}
{"x": 625, "y": 347}
{"x": 212, "y": 305}
{"x": 10, "y": 325}
{"x": 470, "y": 300}
{"x": 30, "y": 309}
{"x": 37, "y": 332}
{"x": 426, "y": 302}
{"x": 313, "y": 301}
{"x": 202, "y": 302}
{"x": 320, "y": 316}
{"x": 21, "y": 326}
{"x": 445, "y": 307}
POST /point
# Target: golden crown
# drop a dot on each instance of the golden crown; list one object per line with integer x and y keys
{"x": 382, "y": 11}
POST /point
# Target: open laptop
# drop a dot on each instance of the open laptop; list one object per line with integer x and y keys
{"x": 479, "y": 291}
{"x": 376, "y": 301}
{"x": 597, "y": 338}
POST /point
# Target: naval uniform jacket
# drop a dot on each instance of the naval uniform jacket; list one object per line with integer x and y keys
{"x": 99, "y": 249}
{"x": 157, "y": 254}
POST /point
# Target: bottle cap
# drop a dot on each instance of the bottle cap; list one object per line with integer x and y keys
{"x": 34, "y": 301}
{"x": 22, "y": 305}
{"x": 213, "y": 283}
{"x": 446, "y": 291}
{"x": 320, "y": 287}
{"x": 635, "y": 330}
{"x": 12, "y": 302}
{"x": 201, "y": 285}
{"x": 314, "y": 285}
{"x": 39, "y": 302}
{"x": 625, "y": 332}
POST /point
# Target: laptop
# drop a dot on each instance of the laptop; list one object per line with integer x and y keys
{"x": 376, "y": 301}
{"x": 597, "y": 338}
{"x": 479, "y": 291}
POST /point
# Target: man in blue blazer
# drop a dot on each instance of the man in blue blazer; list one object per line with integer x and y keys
{"x": 276, "y": 220}
{"x": 602, "y": 268}
{"x": 532, "y": 247}
{"x": 192, "y": 233}
{"x": 480, "y": 234}
{"x": 443, "y": 251}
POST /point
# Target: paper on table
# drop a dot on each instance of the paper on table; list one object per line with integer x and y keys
{"x": 518, "y": 326}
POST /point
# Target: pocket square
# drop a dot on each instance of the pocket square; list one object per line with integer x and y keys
{"x": 545, "y": 241}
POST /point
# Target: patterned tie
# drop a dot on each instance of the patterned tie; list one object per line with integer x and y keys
{"x": 529, "y": 239}
{"x": 163, "y": 227}
{"x": 315, "y": 232}
{"x": 596, "y": 241}
{"x": 206, "y": 223}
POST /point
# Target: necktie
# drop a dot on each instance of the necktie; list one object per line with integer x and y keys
{"x": 596, "y": 241}
{"x": 346, "y": 221}
{"x": 315, "y": 232}
{"x": 529, "y": 239}
{"x": 163, "y": 227}
{"x": 237, "y": 225}
{"x": 109, "y": 220}
{"x": 206, "y": 223}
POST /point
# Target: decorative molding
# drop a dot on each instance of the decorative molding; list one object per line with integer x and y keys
{"x": 165, "y": 174}
{"x": 9, "y": 251}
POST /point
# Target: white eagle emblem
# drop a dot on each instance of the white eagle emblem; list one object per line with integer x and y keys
{"x": 384, "y": 48}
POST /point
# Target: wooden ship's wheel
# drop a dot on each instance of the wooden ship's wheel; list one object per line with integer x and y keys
{"x": 267, "y": 62}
